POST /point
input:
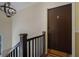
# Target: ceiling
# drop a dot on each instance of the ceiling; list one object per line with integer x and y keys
{"x": 19, "y": 5}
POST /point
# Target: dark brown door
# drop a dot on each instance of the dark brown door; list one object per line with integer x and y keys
{"x": 60, "y": 28}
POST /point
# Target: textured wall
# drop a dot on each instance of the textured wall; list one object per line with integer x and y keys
{"x": 6, "y": 32}
{"x": 77, "y": 30}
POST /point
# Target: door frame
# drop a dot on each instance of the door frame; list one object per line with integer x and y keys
{"x": 73, "y": 28}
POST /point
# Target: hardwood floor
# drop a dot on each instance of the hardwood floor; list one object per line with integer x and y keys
{"x": 56, "y": 53}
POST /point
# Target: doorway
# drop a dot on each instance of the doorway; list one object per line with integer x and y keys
{"x": 60, "y": 28}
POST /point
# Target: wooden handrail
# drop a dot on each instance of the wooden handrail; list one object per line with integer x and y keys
{"x": 34, "y": 37}
{"x": 35, "y": 41}
{"x": 17, "y": 45}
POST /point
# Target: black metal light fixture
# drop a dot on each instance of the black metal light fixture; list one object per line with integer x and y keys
{"x": 9, "y": 11}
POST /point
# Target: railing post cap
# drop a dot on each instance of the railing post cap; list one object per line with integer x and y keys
{"x": 43, "y": 32}
{"x": 23, "y": 34}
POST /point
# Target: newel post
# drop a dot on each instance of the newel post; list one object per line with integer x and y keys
{"x": 23, "y": 42}
{"x": 44, "y": 41}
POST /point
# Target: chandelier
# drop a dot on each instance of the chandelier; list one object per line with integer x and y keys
{"x": 8, "y": 10}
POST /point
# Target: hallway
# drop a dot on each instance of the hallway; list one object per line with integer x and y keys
{"x": 32, "y": 19}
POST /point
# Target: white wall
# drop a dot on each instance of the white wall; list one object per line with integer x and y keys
{"x": 5, "y": 31}
{"x": 26, "y": 21}
{"x": 32, "y": 20}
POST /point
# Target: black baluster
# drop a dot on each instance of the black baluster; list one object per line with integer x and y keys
{"x": 11, "y": 54}
{"x": 29, "y": 48}
{"x": 43, "y": 42}
{"x": 8, "y": 55}
{"x": 32, "y": 48}
{"x": 35, "y": 47}
{"x": 38, "y": 46}
{"x": 16, "y": 52}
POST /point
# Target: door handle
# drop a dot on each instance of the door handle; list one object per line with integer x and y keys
{"x": 58, "y": 17}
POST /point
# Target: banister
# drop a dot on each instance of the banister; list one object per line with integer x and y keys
{"x": 34, "y": 37}
{"x": 17, "y": 45}
{"x": 35, "y": 42}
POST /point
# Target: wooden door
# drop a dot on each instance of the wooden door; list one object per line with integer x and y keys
{"x": 60, "y": 28}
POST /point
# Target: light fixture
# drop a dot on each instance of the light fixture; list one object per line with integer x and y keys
{"x": 9, "y": 11}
